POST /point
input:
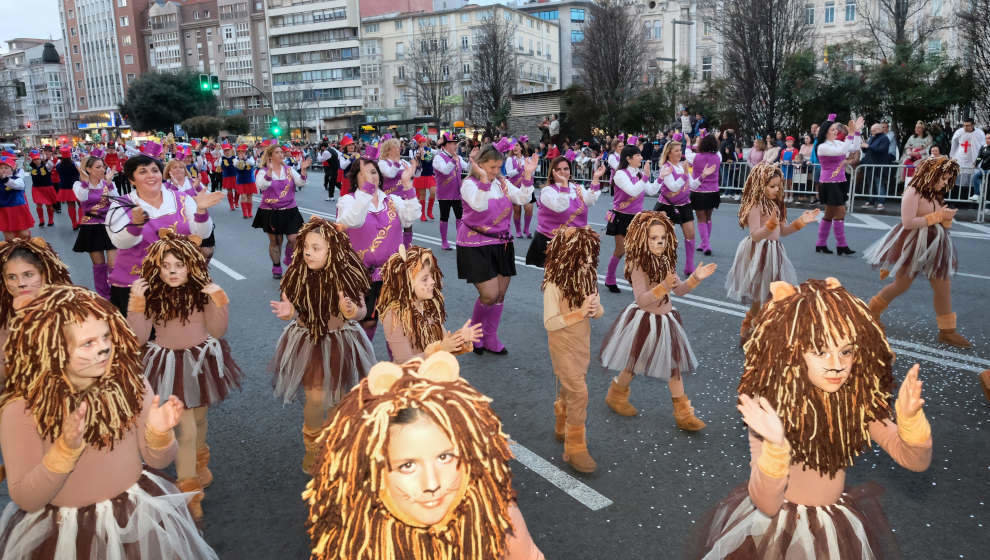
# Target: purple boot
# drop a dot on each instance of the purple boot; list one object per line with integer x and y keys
{"x": 821, "y": 246}
{"x": 688, "y": 257}
{"x": 407, "y": 238}
{"x": 841, "y": 248}
{"x": 613, "y": 264}
{"x": 443, "y": 236}
{"x": 287, "y": 260}
{"x": 101, "y": 282}
{"x": 492, "y": 319}
{"x": 479, "y": 315}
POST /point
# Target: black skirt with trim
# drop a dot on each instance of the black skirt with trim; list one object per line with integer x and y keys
{"x": 479, "y": 264}
{"x": 279, "y": 222}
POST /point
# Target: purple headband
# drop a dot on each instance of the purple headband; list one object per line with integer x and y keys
{"x": 570, "y": 155}
{"x": 505, "y": 144}
{"x": 831, "y": 117}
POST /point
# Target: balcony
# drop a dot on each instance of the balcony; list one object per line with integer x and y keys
{"x": 466, "y": 77}
{"x": 400, "y": 80}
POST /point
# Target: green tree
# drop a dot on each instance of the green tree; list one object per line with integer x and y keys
{"x": 157, "y": 100}
{"x": 648, "y": 112}
{"x": 202, "y": 126}
{"x": 582, "y": 114}
{"x": 236, "y": 124}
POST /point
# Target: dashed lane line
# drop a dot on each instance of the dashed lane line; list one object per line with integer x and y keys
{"x": 226, "y": 269}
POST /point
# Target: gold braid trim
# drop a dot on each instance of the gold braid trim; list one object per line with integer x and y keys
{"x": 158, "y": 440}
{"x": 913, "y": 430}
{"x": 826, "y": 431}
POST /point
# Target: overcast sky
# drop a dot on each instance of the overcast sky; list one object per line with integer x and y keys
{"x": 38, "y": 22}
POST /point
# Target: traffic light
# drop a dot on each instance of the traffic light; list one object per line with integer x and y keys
{"x": 21, "y": 88}
{"x": 215, "y": 82}
{"x": 276, "y": 129}
{"x": 204, "y": 82}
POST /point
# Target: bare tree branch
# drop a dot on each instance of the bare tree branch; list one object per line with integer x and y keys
{"x": 893, "y": 23}
{"x": 759, "y": 36}
{"x": 609, "y": 57}
{"x": 494, "y": 69}
{"x": 434, "y": 63}
{"x": 976, "y": 46}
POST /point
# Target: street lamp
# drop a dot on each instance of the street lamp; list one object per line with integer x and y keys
{"x": 673, "y": 38}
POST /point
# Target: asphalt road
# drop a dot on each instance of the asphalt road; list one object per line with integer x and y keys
{"x": 657, "y": 481}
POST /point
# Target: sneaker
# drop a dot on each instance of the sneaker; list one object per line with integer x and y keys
{"x": 868, "y": 204}
{"x": 736, "y": 197}
{"x": 880, "y": 206}
{"x": 974, "y": 198}
{"x": 328, "y": 198}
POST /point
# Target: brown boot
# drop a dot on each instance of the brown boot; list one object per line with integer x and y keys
{"x": 984, "y": 382}
{"x": 312, "y": 447}
{"x": 947, "y": 331}
{"x": 195, "y": 503}
{"x": 877, "y": 306}
{"x": 560, "y": 412}
{"x": 618, "y": 400}
{"x": 684, "y": 415}
{"x": 203, "y": 466}
{"x": 576, "y": 450}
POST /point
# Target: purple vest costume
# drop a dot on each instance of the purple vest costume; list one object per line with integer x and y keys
{"x": 127, "y": 267}
{"x": 491, "y": 227}
{"x": 93, "y": 210}
{"x": 393, "y": 185}
{"x": 622, "y": 202}
{"x": 518, "y": 163}
{"x": 576, "y": 215}
{"x": 378, "y": 238}
{"x": 833, "y": 169}
{"x": 280, "y": 194}
{"x": 701, "y": 161}
{"x": 681, "y": 197}
{"x": 448, "y": 185}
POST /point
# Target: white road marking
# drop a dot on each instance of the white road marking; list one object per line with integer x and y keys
{"x": 928, "y": 349}
{"x": 947, "y": 363}
{"x": 570, "y": 485}
{"x": 978, "y": 227}
{"x": 870, "y": 222}
{"x": 226, "y": 269}
{"x": 980, "y": 276}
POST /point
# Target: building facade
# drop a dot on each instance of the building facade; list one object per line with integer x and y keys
{"x": 570, "y": 17}
{"x": 371, "y": 8}
{"x": 392, "y": 46}
{"x": 315, "y": 62}
{"x": 226, "y": 38}
{"x": 104, "y": 54}
{"x": 42, "y": 115}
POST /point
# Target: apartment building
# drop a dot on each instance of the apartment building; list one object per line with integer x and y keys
{"x": 42, "y": 115}
{"x": 570, "y": 17}
{"x": 104, "y": 54}
{"x": 315, "y": 61}
{"x": 226, "y": 38}
{"x": 388, "y": 44}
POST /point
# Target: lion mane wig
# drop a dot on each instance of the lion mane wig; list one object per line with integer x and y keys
{"x": 928, "y": 175}
{"x": 37, "y": 353}
{"x": 53, "y": 269}
{"x": 163, "y": 302}
{"x": 313, "y": 293}
{"x": 755, "y": 194}
{"x": 826, "y": 430}
{"x": 572, "y": 264}
{"x": 638, "y": 253}
{"x": 425, "y": 325}
{"x": 348, "y": 519}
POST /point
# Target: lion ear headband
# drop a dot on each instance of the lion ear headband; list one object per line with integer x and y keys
{"x": 782, "y": 290}
{"x": 440, "y": 367}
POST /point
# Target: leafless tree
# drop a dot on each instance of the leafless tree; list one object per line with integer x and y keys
{"x": 494, "y": 69}
{"x": 976, "y": 45}
{"x": 759, "y": 36}
{"x": 433, "y": 64}
{"x": 292, "y": 106}
{"x": 610, "y": 58}
{"x": 905, "y": 23}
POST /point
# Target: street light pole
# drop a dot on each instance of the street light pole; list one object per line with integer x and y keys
{"x": 271, "y": 97}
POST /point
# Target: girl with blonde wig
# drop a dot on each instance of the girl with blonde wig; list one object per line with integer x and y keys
{"x": 414, "y": 465}
{"x": 77, "y": 424}
{"x": 412, "y": 309}
{"x": 816, "y": 392}
{"x": 323, "y": 350}
{"x": 397, "y": 178}
{"x": 570, "y": 301}
{"x": 761, "y": 258}
{"x": 189, "y": 357}
{"x": 647, "y": 338}
{"x": 920, "y": 243}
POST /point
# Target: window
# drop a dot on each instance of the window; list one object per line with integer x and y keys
{"x": 228, "y": 32}
{"x": 466, "y": 69}
{"x": 78, "y": 67}
{"x": 577, "y": 35}
{"x": 445, "y": 71}
{"x": 577, "y": 15}
{"x": 402, "y": 72}
{"x": 130, "y": 78}
{"x": 466, "y": 17}
{"x": 121, "y": 3}
{"x": 126, "y": 40}
{"x": 196, "y": 14}
{"x": 82, "y": 100}
{"x": 79, "y": 84}
{"x": 129, "y": 58}
{"x": 465, "y": 43}
{"x": 398, "y": 25}
{"x": 706, "y": 67}
{"x": 934, "y": 47}
{"x": 549, "y": 15}
{"x": 657, "y": 30}
{"x": 850, "y": 10}
{"x": 708, "y": 28}
{"x": 124, "y": 22}
{"x": 829, "y": 12}
{"x": 75, "y": 49}
{"x": 72, "y": 31}
{"x": 72, "y": 14}
{"x": 936, "y": 8}
{"x": 809, "y": 14}
{"x": 400, "y": 50}
{"x": 371, "y": 28}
